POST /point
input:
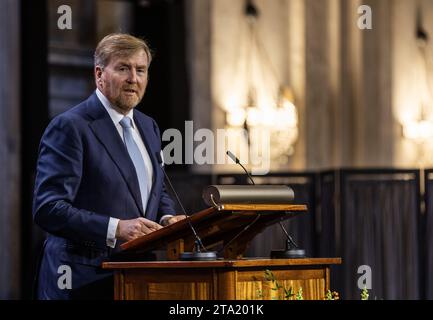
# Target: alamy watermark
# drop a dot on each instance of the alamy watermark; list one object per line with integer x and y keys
{"x": 65, "y": 20}
{"x": 65, "y": 279}
{"x": 364, "y": 281}
{"x": 365, "y": 20}
{"x": 205, "y": 146}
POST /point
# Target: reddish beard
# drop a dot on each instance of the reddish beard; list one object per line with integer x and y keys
{"x": 127, "y": 102}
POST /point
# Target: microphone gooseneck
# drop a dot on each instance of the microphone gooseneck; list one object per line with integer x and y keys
{"x": 292, "y": 250}
{"x": 196, "y": 236}
{"x": 197, "y": 255}
{"x": 237, "y": 161}
{"x": 289, "y": 238}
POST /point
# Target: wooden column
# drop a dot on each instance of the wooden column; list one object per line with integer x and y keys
{"x": 9, "y": 149}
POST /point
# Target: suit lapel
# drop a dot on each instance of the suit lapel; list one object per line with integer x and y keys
{"x": 106, "y": 132}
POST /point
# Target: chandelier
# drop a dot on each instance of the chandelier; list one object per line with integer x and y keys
{"x": 268, "y": 104}
{"x": 420, "y": 129}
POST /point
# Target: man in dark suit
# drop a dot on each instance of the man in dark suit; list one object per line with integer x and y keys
{"x": 99, "y": 176}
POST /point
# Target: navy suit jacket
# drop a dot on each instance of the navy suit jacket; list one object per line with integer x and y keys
{"x": 84, "y": 177}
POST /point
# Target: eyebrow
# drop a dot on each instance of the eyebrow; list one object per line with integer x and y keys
{"x": 129, "y": 65}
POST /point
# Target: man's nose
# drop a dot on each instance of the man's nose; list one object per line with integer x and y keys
{"x": 132, "y": 76}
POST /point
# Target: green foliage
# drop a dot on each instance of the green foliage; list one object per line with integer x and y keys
{"x": 259, "y": 293}
{"x": 288, "y": 292}
{"x": 332, "y": 295}
{"x": 364, "y": 294}
{"x": 299, "y": 294}
{"x": 269, "y": 275}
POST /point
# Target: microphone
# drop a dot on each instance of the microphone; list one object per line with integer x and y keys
{"x": 196, "y": 255}
{"x": 237, "y": 161}
{"x": 292, "y": 249}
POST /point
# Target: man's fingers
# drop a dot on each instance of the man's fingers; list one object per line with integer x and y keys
{"x": 135, "y": 228}
{"x": 145, "y": 229}
{"x": 157, "y": 226}
{"x": 175, "y": 219}
{"x": 150, "y": 224}
{"x": 180, "y": 217}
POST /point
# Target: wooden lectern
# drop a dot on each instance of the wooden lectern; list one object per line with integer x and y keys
{"x": 230, "y": 228}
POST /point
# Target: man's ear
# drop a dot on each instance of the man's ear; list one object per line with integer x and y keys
{"x": 98, "y": 72}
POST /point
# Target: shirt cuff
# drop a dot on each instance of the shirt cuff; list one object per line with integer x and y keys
{"x": 111, "y": 233}
{"x": 165, "y": 217}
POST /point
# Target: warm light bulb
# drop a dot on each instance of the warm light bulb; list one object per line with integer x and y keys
{"x": 418, "y": 130}
{"x": 253, "y": 117}
{"x": 236, "y": 117}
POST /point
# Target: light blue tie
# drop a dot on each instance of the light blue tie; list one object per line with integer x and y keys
{"x": 137, "y": 159}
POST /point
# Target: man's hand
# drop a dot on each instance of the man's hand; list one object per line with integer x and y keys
{"x": 173, "y": 219}
{"x": 131, "y": 229}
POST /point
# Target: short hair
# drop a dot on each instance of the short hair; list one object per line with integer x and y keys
{"x": 118, "y": 45}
